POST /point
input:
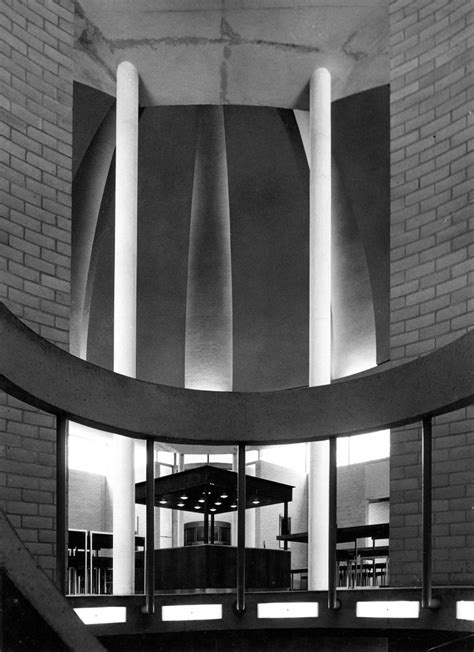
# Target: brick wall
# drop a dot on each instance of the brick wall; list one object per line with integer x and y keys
{"x": 356, "y": 485}
{"x": 35, "y": 186}
{"x": 432, "y": 272}
{"x": 90, "y": 502}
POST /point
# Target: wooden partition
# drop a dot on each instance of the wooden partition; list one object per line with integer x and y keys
{"x": 214, "y": 567}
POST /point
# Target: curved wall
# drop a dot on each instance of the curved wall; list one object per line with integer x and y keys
{"x": 268, "y": 186}
{"x": 36, "y": 150}
{"x": 431, "y": 287}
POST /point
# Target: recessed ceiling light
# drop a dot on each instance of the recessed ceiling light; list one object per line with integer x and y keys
{"x": 163, "y": 501}
{"x": 201, "y": 500}
{"x": 183, "y": 497}
{"x": 233, "y": 506}
{"x": 213, "y": 509}
{"x": 218, "y": 502}
{"x": 197, "y": 506}
{"x": 180, "y": 504}
{"x": 224, "y": 495}
{"x": 255, "y": 501}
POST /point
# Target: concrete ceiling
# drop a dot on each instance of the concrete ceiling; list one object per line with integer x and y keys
{"x": 247, "y": 52}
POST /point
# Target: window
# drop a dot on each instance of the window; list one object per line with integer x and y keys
{"x": 363, "y": 448}
{"x": 88, "y": 449}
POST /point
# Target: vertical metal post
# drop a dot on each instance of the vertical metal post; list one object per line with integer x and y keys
{"x": 150, "y": 528}
{"x": 206, "y": 525}
{"x": 333, "y": 602}
{"x": 242, "y": 501}
{"x": 213, "y": 529}
{"x": 61, "y": 503}
{"x": 427, "y": 600}
{"x": 179, "y": 514}
{"x": 89, "y": 584}
{"x": 285, "y": 529}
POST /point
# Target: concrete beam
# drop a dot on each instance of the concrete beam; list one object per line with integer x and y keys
{"x": 34, "y": 370}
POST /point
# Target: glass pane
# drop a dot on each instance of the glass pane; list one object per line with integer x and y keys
{"x": 221, "y": 459}
{"x": 165, "y": 457}
{"x": 191, "y": 458}
{"x": 342, "y": 451}
{"x": 371, "y": 446}
{"x": 290, "y": 456}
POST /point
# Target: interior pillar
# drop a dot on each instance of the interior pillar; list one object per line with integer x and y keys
{"x": 125, "y": 318}
{"x": 319, "y": 318}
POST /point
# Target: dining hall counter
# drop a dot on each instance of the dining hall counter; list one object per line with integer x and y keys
{"x": 211, "y": 566}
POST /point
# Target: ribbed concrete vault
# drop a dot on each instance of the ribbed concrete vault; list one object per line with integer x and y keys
{"x": 268, "y": 181}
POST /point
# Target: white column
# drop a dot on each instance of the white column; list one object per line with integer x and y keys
{"x": 125, "y": 317}
{"x": 319, "y": 318}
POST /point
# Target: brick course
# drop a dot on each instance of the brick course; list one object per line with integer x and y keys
{"x": 431, "y": 292}
{"x": 36, "y": 145}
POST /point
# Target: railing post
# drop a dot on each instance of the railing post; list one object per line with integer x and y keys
{"x": 333, "y": 602}
{"x": 61, "y": 503}
{"x": 242, "y": 502}
{"x": 427, "y": 600}
{"x": 150, "y": 528}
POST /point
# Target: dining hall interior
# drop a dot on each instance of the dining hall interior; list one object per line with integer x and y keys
{"x": 237, "y": 309}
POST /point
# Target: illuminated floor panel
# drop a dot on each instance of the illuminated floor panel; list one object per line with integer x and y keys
{"x": 393, "y": 609}
{"x": 287, "y": 609}
{"x": 191, "y": 612}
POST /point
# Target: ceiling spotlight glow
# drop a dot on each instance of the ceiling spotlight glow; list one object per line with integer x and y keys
{"x": 163, "y": 501}
{"x": 213, "y": 509}
{"x": 255, "y": 501}
{"x": 218, "y": 502}
{"x": 201, "y": 500}
{"x": 197, "y": 506}
{"x": 180, "y": 504}
{"x": 224, "y": 495}
{"x": 233, "y": 506}
{"x": 183, "y": 497}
